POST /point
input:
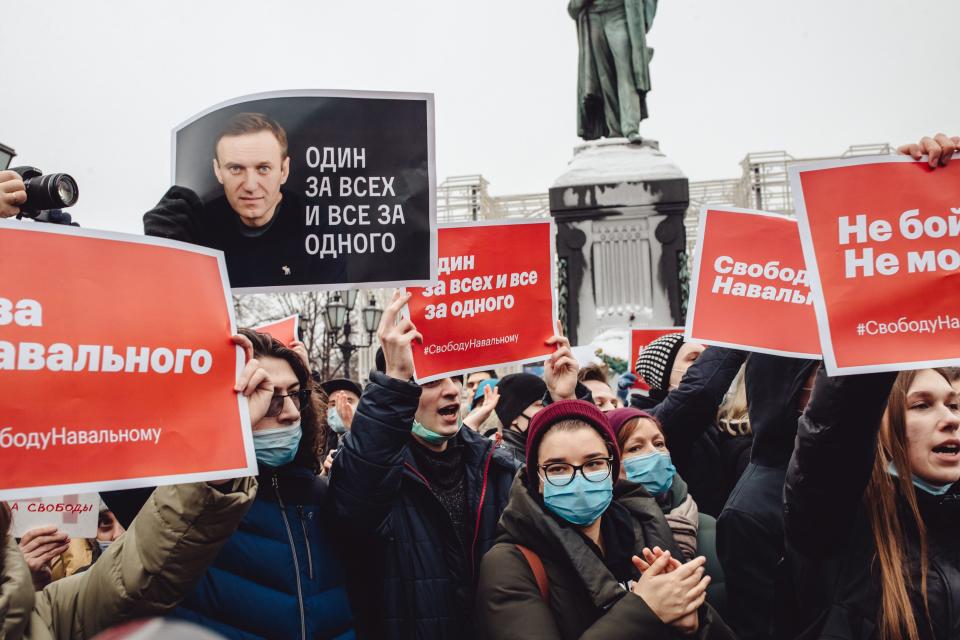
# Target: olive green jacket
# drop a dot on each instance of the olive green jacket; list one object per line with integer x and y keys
{"x": 585, "y": 601}
{"x": 146, "y": 572}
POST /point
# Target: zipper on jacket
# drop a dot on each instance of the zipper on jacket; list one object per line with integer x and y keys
{"x": 471, "y": 559}
{"x": 293, "y": 552}
{"x": 429, "y": 488}
{"x": 483, "y": 495}
{"x": 306, "y": 538}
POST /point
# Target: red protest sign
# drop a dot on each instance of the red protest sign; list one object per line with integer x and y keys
{"x": 114, "y": 374}
{"x": 880, "y": 239}
{"x": 286, "y": 330}
{"x": 639, "y": 338}
{"x": 749, "y": 285}
{"x": 493, "y": 304}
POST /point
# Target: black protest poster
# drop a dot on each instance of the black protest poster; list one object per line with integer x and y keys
{"x": 349, "y": 203}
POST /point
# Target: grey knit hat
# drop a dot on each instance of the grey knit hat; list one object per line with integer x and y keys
{"x": 656, "y": 360}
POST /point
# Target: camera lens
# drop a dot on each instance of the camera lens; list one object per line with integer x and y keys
{"x": 52, "y": 191}
{"x": 66, "y": 189}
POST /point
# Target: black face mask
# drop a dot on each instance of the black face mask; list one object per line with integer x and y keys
{"x": 524, "y": 430}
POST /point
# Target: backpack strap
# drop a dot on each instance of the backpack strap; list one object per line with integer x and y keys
{"x": 539, "y": 573}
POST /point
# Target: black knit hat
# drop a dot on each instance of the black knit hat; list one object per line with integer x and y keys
{"x": 341, "y": 384}
{"x": 517, "y": 392}
{"x": 656, "y": 360}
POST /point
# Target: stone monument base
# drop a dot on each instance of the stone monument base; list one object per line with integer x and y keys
{"x": 619, "y": 210}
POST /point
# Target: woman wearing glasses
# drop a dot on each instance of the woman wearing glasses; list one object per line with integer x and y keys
{"x": 568, "y": 559}
{"x": 278, "y": 576}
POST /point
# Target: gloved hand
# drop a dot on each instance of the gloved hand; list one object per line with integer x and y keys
{"x": 57, "y": 216}
{"x": 624, "y": 383}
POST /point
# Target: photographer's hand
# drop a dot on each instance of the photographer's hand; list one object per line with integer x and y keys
{"x": 13, "y": 193}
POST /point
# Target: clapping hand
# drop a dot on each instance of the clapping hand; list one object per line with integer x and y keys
{"x": 672, "y": 590}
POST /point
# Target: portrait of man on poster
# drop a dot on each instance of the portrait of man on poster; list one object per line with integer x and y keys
{"x": 255, "y": 221}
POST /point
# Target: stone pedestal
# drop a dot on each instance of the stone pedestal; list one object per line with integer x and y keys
{"x": 619, "y": 211}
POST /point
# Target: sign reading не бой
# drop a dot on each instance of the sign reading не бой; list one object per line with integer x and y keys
{"x": 880, "y": 239}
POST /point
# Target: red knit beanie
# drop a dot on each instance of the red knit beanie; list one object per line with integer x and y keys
{"x": 569, "y": 410}
{"x": 620, "y": 417}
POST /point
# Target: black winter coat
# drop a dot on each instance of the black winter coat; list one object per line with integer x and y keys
{"x": 750, "y": 528}
{"x": 829, "y": 538}
{"x": 429, "y": 577}
{"x": 272, "y": 257}
{"x": 688, "y": 415}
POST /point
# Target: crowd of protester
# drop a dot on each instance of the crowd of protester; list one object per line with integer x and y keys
{"x": 742, "y": 496}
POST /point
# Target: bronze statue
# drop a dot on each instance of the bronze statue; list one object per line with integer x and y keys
{"x": 614, "y": 73}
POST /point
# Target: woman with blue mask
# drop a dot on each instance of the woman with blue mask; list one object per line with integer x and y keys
{"x": 871, "y": 508}
{"x": 279, "y": 575}
{"x": 567, "y": 561}
{"x": 647, "y": 462}
{"x": 282, "y": 555}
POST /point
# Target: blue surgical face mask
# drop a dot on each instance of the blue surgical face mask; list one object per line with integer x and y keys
{"x": 920, "y": 483}
{"x": 104, "y": 545}
{"x": 654, "y": 470}
{"x": 581, "y": 502}
{"x": 432, "y": 437}
{"x": 277, "y": 447}
{"x": 334, "y": 420}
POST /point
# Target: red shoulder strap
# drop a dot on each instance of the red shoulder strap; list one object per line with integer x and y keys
{"x": 536, "y": 565}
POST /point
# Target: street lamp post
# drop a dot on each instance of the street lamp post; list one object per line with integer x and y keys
{"x": 338, "y": 322}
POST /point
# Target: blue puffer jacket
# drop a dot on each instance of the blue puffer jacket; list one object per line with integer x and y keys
{"x": 279, "y": 575}
{"x": 429, "y": 578}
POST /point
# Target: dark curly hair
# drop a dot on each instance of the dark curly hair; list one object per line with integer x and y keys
{"x": 312, "y": 418}
{"x": 5, "y": 518}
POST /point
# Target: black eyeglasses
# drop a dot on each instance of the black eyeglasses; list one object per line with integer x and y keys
{"x": 298, "y": 397}
{"x": 560, "y": 474}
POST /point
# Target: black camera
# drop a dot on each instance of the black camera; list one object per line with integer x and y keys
{"x": 44, "y": 192}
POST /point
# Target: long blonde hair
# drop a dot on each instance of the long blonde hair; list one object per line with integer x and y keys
{"x": 732, "y": 416}
{"x": 897, "y": 619}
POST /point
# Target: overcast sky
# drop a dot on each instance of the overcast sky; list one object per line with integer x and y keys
{"x": 94, "y": 88}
